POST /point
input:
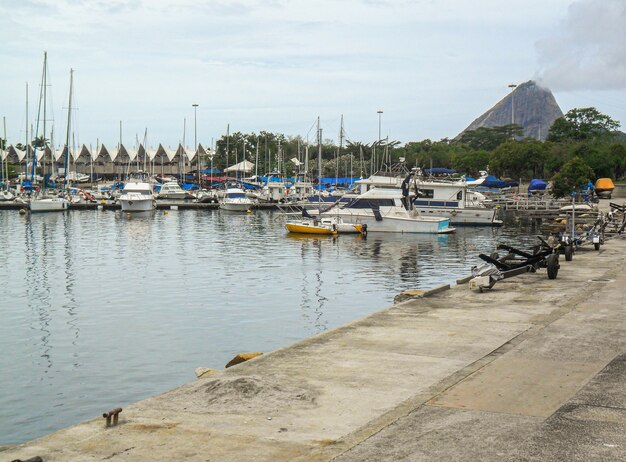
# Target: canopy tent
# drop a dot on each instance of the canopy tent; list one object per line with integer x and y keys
{"x": 160, "y": 156}
{"x": 82, "y": 155}
{"x": 149, "y": 152}
{"x": 59, "y": 155}
{"x": 41, "y": 152}
{"x": 132, "y": 154}
{"x": 123, "y": 156}
{"x": 245, "y": 167}
{"x": 188, "y": 153}
{"x": 14, "y": 155}
{"x": 106, "y": 154}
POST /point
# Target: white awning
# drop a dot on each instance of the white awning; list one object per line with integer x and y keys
{"x": 244, "y": 166}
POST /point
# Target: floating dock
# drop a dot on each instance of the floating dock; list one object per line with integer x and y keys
{"x": 534, "y": 369}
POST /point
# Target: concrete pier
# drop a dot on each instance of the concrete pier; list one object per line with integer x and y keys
{"x": 534, "y": 369}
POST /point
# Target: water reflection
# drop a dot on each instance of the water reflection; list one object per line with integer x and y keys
{"x": 37, "y": 283}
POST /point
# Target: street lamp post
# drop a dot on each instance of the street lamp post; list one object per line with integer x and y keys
{"x": 380, "y": 114}
{"x": 512, "y": 87}
{"x": 195, "y": 140}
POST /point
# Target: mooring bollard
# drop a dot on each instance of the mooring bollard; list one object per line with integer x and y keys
{"x": 112, "y": 413}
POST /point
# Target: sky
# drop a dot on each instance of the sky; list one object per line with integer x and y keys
{"x": 431, "y": 66}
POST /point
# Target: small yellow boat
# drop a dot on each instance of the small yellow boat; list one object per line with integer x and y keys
{"x": 604, "y": 187}
{"x": 310, "y": 227}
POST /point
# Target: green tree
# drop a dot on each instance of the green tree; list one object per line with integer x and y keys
{"x": 489, "y": 138}
{"x": 470, "y": 162}
{"x": 574, "y": 174}
{"x": 40, "y": 142}
{"x": 519, "y": 159}
{"x": 582, "y": 124}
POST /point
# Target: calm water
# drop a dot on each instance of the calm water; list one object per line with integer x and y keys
{"x": 98, "y": 309}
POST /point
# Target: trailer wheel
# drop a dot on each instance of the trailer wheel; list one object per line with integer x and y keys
{"x": 569, "y": 252}
{"x": 552, "y": 264}
{"x": 596, "y": 246}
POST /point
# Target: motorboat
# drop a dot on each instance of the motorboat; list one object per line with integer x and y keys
{"x": 235, "y": 200}
{"x": 440, "y": 198}
{"x": 453, "y": 200}
{"x": 274, "y": 189}
{"x": 137, "y": 196}
{"x": 172, "y": 190}
{"x": 386, "y": 210}
{"x": 206, "y": 196}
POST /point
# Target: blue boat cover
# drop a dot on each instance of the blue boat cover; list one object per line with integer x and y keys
{"x": 492, "y": 182}
{"x": 537, "y": 185}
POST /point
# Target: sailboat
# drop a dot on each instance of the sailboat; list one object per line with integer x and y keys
{"x": 328, "y": 225}
{"x": 43, "y": 202}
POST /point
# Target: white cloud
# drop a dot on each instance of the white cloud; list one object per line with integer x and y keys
{"x": 588, "y": 50}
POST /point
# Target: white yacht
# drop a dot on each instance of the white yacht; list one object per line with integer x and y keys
{"x": 137, "y": 197}
{"x": 235, "y": 200}
{"x": 386, "y": 210}
{"x": 441, "y": 198}
{"x": 172, "y": 190}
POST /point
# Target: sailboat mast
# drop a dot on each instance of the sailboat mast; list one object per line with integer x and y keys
{"x": 26, "y": 136}
{"x": 227, "y": 142}
{"x": 319, "y": 166}
{"x": 67, "y": 135}
{"x": 41, "y": 95}
{"x": 5, "y": 159}
{"x": 45, "y": 89}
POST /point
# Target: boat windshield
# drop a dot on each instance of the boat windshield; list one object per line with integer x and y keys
{"x": 368, "y": 203}
{"x": 236, "y": 195}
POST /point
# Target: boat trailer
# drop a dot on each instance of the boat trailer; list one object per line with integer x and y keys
{"x": 514, "y": 263}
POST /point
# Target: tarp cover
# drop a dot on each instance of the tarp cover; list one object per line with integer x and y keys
{"x": 537, "y": 185}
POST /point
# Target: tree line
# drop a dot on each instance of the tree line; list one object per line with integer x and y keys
{"x": 584, "y": 144}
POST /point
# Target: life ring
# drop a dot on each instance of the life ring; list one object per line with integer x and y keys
{"x": 453, "y": 213}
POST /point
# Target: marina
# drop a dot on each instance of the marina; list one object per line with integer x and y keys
{"x": 298, "y": 232}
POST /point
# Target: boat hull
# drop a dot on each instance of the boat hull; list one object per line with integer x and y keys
{"x": 463, "y": 216}
{"x": 173, "y": 195}
{"x": 305, "y": 228}
{"x": 51, "y": 204}
{"x": 235, "y": 206}
{"x": 137, "y": 205}
{"x": 396, "y": 224}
